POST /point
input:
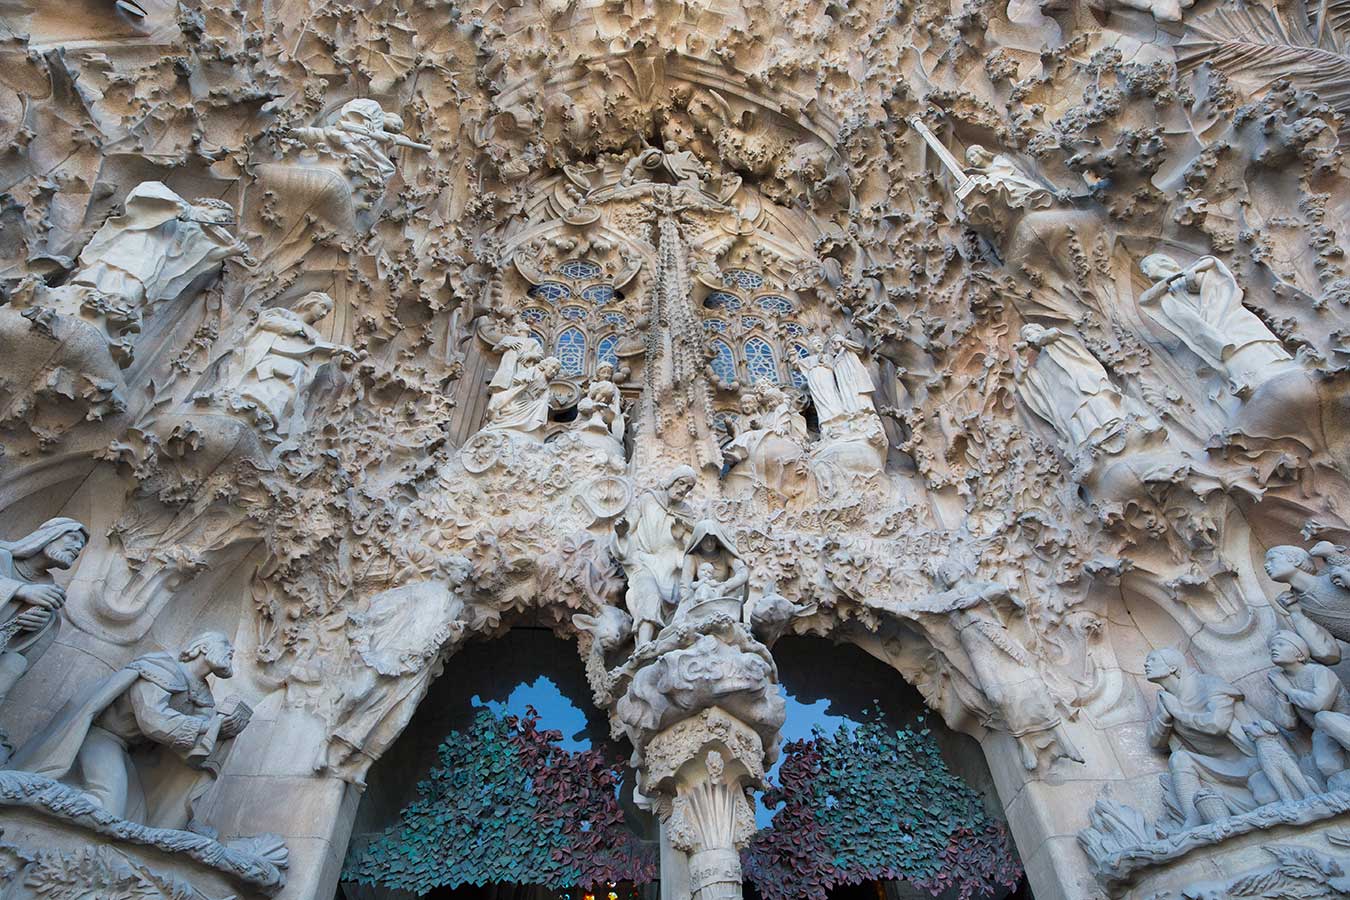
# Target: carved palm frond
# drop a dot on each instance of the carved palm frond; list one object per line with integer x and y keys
{"x": 1258, "y": 45}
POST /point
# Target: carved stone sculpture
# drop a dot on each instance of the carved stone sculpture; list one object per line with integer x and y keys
{"x": 398, "y": 647}
{"x": 1201, "y": 305}
{"x": 836, "y": 377}
{"x": 600, "y": 413}
{"x": 278, "y": 363}
{"x": 357, "y": 141}
{"x": 147, "y": 742}
{"x": 1323, "y": 596}
{"x": 964, "y": 622}
{"x": 1216, "y": 761}
{"x": 1312, "y": 694}
{"x": 768, "y": 446}
{"x": 519, "y": 401}
{"x": 160, "y": 246}
{"x": 30, "y": 614}
{"x": 1066, "y": 386}
{"x": 650, "y": 541}
{"x": 995, "y": 191}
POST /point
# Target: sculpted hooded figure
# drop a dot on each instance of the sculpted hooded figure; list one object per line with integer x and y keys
{"x": 30, "y": 599}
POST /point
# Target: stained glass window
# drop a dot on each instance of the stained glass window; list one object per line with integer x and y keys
{"x": 539, "y": 337}
{"x": 551, "y": 291}
{"x": 579, "y": 269}
{"x": 615, "y": 319}
{"x": 749, "y": 323}
{"x": 722, "y": 300}
{"x": 759, "y": 364}
{"x": 575, "y": 313}
{"x": 714, "y": 325}
{"x": 743, "y": 279}
{"x": 599, "y": 294}
{"x": 572, "y": 351}
{"x": 534, "y": 315}
{"x": 723, "y": 361}
{"x": 607, "y": 350}
{"x": 792, "y": 329}
{"x": 774, "y": 305}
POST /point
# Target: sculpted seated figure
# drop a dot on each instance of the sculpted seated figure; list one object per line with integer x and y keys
{"x": 769, "y": 440}
{"x": 1066, "y": 385}
{"x": 280, "y": 358}
{"x": 146, "y": 742}
{"x": 30, "y": 599}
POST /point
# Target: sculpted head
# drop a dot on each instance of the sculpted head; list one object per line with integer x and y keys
{"x": 978, "y": 157}
{"x": 215, "y": 648}
{"x": 1288, "y": 648}
{"x": 551, "y": 366}
{"x": 749, "y": 403}
{"x": 1284, "y": 561}
{"x": 1158, "y": 266}
{"x": 604, "y": 372}
{"x": 393, "y": 123}
{"x": 680, "y": 483}
{"x": 1031, "y": 333}
{"x": 706, "y": 571}
{"x": 56, "y": 544}
{"x": 1163, "y": 663}
{"x": 314, "y": 306}
{"x": 816, "y": 344}
{"x": 457, "y": 569}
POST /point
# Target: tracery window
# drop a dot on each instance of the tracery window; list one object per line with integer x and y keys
{"x": 574, "y": 315}
{"x": 752, "y": 332}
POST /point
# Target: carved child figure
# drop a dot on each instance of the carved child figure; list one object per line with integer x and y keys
{"x": 1313, "y": 694}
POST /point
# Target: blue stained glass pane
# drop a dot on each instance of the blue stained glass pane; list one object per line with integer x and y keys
{"x": 722, "y": 300}
{"x": 599, "y": 294}
{"x": 539, "y": 337}
{"x": 607, "y": 350}
{"x": 572, "y": 351}
{"x": 798, "y": 379}
{"x": 750, "y": 322}
{"x": 759, "y": 364}
{"x": 792, "y": 329}
{"x": 743, "y": 279}
{"x": 575, "y": 313}
{"x": 714, "y": 325}
{"x": 534, "y": 316}
{"x": 551, "y": 291}
{"x": 723, "y": 361}
{"x": 615, "y": 319}
{"x": 775, "y": 305}
{"x": 579, "y": 269}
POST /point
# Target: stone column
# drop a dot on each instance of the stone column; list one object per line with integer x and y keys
{"x": 699, "y": 772}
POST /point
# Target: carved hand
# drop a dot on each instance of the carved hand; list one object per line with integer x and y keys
{"x": 46, "y": 596}
{"x": 33, "y": 619}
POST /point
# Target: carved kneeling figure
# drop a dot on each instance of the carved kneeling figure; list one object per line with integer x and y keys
{"x": 146, "y": 742}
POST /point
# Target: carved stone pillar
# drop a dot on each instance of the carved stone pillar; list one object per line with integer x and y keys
{"x": 699, "y": 773}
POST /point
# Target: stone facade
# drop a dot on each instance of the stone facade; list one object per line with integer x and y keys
{"x": 1005, "y": 341}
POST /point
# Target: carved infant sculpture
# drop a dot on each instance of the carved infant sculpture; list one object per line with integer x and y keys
{"x": 146, "y": 742}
